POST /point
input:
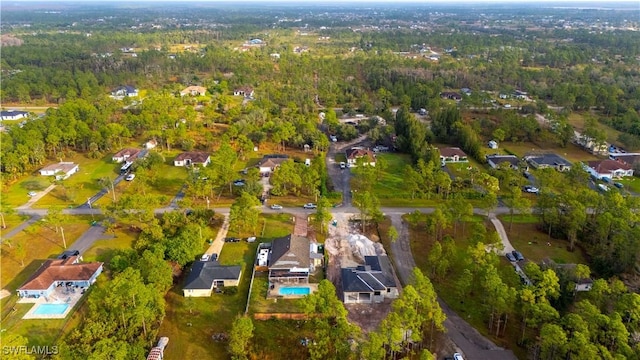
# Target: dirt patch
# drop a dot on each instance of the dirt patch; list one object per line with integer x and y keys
{"x": 347, "y": 248}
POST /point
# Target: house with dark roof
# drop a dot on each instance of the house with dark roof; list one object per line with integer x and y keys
{"x": 13, "y": 114}
{"x": 61, "y": 170}
{"x": 451, "y": 95}
{"x": 56, "y": 272}
{"x": 369, "y": 283}
{"x": 270, "y": 163}
{"x": 452, "y": 155}
{"x": 289, "y": 259}
{"x": 245, "y": 91}
{"x": 356, "y": 153}
{"x": 121, "y": 92}
{"x": 207, "y": 275}
{"x": 503, "y": 161}
{"x": 608, "y": 168}
{"x": 189, "y": 158}
{"x": 554, "y": 161}
{"x": 127, "y": 154}
{"x": 194, "y": 91}
{"x": 627, "y": 158}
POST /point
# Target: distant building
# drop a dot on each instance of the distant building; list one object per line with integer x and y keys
{"x": 553, "y": 161}
{"x": 127, "y": 154}
{"x": 356, "y": 153}
{"x": 61, "y": 170}
{"x": 451, "y": 95}
{"x": 13, "y": 115}
{"x": 270, "y": 163}
{"x": 121, "y": 92}
{"x": 452, "y": 155}
{"x": 608, "y": 168}
{"x": 245, "y": 91}
{"x": 500, "y": 161}
{"x": 189, "y": 158}
{"x": 194, "y": 91}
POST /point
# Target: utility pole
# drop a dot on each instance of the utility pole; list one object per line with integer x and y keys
{"x": 64, "y": 241}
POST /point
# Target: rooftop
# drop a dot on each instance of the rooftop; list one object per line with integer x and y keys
{"x": 204, "y": 273}
{"x": 608, "y": 165}
{"x": 60, "y": 270}
{"x": 452, "y": 151}
{"x": 194, "y": 156}
{"x": 290, "y": 251}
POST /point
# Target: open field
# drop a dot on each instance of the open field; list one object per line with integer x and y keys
{"x": 536, "y": 245}
{"x": 577, "y": 120}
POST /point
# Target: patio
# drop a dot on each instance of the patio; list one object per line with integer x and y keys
{"x": 62, "y": 294}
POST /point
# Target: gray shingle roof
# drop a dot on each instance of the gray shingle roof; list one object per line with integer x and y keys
{"x": 290, "y": 251}
{"x": 375, "y": 275}
{"x": 204, "y": 273}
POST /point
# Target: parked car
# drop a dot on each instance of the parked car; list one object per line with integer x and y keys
{"x": 333, "y": 138}
{"x": 205, "y": 257}
{"x": 276, "y": 207}
{"x": 239, "y": 182}
{"x": 618, "y": 185}
{"x": 231, "y": 239}
{"x": 32, "y": 193}
{"x": 510, "y": 257}
{"x": 251, "y": 239}
{"x": 214, "y": 257}
{"x": 343, "y": 165}
{"x": 130, "y": 177}
{"x": 517, "y": 255}
{"x": 457, "y": 356}
{"x": 526, "y": 174}
{"x": 309, "y": 206}
{"x": 531, "y": 189}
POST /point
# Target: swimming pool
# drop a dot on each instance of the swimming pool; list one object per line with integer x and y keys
{"x": 294, "y": 290}
{"x": 51, "y": 309}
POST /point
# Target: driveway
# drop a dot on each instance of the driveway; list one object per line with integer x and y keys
{"x": 86, "y": 240}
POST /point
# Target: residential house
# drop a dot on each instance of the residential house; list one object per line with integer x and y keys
{"x": 61, "y": 170}
{"x": 451, "y": 95}
{"x": 591, "y": 145}
{"x": 194, "y": 91}
{"x": 452, "y": 155}
{"x": 554, "y": 161}
{"x": 208, "y": 275}
{"x": 270, "y": 163}
{"x": 608, "y": 168}
{"x": 121, "y": 92}
{"x": 13, "y": 115}
{"x": 127, "y": 154}
{"x": 501, "y": 161}
{"x": 151, "y": 144}
{"x": 290, "y": 259}
{"x": 369, "y": 283}
{"x": 583, "y": 285}
{"x": 189, "y": 158}
{"x": 56, "y": 272}
{"x": 627, "y": 158}
{"x": 245, "y": 91}
{"x": 355, "y": 153}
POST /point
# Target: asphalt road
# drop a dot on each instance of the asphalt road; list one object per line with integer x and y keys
{"x": 86, "y": 240}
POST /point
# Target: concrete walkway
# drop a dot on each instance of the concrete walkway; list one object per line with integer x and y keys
{"x": 218, "y": 242}
{"x": 38, "y": 196}
{"x": 506, "y": 244}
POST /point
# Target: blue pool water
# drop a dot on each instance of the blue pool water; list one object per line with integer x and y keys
{"x": 51, "y": 309}
{"x": 294, "y": 290}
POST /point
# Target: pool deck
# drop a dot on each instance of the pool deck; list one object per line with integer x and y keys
{"x": 59, "y": 296}
{"x": 275, "y": 291}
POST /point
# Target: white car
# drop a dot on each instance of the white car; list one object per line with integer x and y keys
{"x": 32, "y": 193}
{"x": 130, "y": 177}
{"x": 276, "y": 207}
{"x": 457, "y": 356}
{"x": 309, "y": 206}
{"x": 205, "y": 257}
{"x": 531, "y": 189}
{"x": 343, "y": 165}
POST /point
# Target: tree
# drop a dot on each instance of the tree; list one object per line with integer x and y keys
{"x": 553, "y": 341}
{"x": 244, "y": 213}
{"x": 20, "y": 252}
{"x": 323, "y": 215}
{"x": 516, "y": 203}
{"x": 392, "y": 233}
{"x": 16, "y": 343}
{"x": 240, "y": 337}
{"x": 369, "y": 208}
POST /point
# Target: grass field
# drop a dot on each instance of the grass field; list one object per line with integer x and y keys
{"x": 571, "y": 152}
{"x": 577, "y": 120}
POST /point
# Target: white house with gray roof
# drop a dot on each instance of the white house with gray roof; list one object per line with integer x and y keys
{"x": 207, "y": 275}
{"x": 369, "y": 283}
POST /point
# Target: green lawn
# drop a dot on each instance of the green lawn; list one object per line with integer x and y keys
{"x": 535, "y": 245}
{"x": 631, "y": 183}
{"x": 104, "y": 250}
{"x": 577, "y": 120}
{"x": 572, "y": 152}
{"x": 16, "y": 194}
{"x": 80, "y": 186}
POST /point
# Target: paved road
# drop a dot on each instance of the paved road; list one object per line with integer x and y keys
{"x": 13, "y": 232}
{"x": 86, "y": 240}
